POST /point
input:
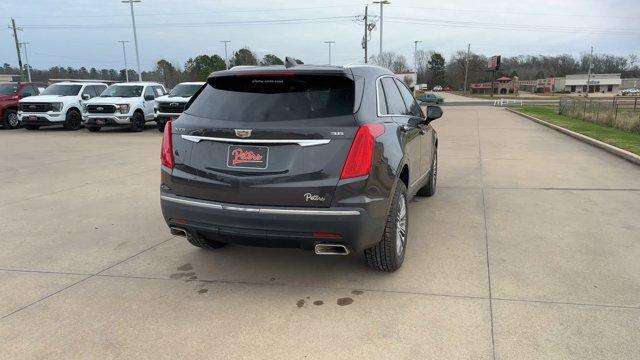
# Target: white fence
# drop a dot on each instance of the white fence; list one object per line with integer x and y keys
{"x": 507, "y": 102}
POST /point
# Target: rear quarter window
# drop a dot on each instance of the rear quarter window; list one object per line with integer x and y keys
{"x": 266, "y": 97}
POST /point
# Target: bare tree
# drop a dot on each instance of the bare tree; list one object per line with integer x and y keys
{"x": 392, "y": 61}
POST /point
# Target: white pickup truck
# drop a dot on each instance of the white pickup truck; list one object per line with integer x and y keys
{"x": 170, "y": 106}
{"x": 127, "y": 104}
{"x": 58, "y": 104}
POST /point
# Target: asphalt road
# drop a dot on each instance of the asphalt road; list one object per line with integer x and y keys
{"x": 529, "y": 250}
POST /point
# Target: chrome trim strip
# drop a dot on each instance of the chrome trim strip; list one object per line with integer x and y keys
{"x": 212, "y": 205}
{"x": 191, "y": 202}
{"x": 197, "y": 139}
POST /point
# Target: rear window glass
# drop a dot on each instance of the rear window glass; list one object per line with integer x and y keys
{"x": 260, "y": 97}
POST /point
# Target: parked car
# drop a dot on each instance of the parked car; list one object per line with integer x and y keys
{"x": 321, "y": 158}
{"x": 631, "y": 91}
{"x": 446, "y": 88}
{"x": 437, "y": 88}
{"x": 59, "y": 104}
{"x": 169, "y": 107}
{"x": 421, "y": 87}
{"x": 430, "y": 99}
{"x": 128, "y": 104}
{"x": 10, "y": 94}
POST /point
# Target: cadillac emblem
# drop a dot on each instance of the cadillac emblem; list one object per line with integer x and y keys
{"x": 243, "y": 133}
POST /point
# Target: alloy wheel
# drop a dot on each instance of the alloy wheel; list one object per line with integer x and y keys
{"x": 12, "y": 120}
{"x": 401, "y": 225}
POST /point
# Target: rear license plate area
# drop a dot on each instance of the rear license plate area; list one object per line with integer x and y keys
{"x": 248, "y": 157}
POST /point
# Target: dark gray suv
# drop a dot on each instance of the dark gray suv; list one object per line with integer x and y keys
{"x": 320, "y": 158}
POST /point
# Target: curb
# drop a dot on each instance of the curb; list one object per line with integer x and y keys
{"x": 629, "y": 156}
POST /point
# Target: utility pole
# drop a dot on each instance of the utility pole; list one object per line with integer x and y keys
{"x": 466, "y": 68}
{"x": 330, "y": 42}
{"x": 226, "y": 57}
{"x": 124, "y": 54}
{"x": 15, "y": 37}
{"x": 135, "y": 34}
{"x": 589, "y": 72}
{"x": 381, "y": 2}
{"x": 26, "y": 57}
{"x": 415, "y": 54}
{"x": 365, "y": 42}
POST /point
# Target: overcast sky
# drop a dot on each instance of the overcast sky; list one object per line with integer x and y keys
{"x": 85, "y": 32}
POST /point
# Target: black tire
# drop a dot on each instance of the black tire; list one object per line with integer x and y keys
{"x": 32, "y": 127}
{"x": 137, "y": 122}
{"x": 204, "y": 243}
{"x": 432, "y": 182}
{"x": 94, "y": 128}
{"x": 10, "y": 120}
{"x": 73, "y": 120}
{"x": 388, "y": 254}
{"x": 160, "y": 125}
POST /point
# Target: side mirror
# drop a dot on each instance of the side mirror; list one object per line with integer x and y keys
{"x": 86, "y": 97}
{"x": 433, "y": 112}
{"x": 149, "y": 97}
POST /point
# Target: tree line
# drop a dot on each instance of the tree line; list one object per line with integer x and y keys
{"x": 433, "y": 69}
{"x": 195, "y": 69}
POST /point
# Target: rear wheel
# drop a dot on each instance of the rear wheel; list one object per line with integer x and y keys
{"x": 72, "y": 120}
{"x": 32, "y": 127}
{"x": 11, "y": 119}
{"x": 204, "y": 243}
{"x": 94, "y": 128}
{"x": 430, "y": 188}
{"x": 137, "y": 122}
{"x": 388, "y": 254}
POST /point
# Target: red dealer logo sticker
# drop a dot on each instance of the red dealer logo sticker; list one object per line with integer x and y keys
{"x": 241, "y": 156}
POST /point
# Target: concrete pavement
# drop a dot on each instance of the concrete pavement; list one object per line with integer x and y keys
{"x": 529, "y": 250}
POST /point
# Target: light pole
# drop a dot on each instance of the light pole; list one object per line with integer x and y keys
{"x": 589, "y": 72}
{"x": 135, "y": 34}
{"x": 26, "y": 57}
{"x": 415, "y": 54}
{"x": 330, "y": 42}
{"x": 466, "y": 68}
{"x": 124, "y": 54}
{"x": 226, "y": 57}
{"x": 382, "y": 2}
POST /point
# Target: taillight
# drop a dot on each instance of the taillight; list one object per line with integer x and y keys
{"x": 166, "y": 154}
{"x": 361, "y": 153}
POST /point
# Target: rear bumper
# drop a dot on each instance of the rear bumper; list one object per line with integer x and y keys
{"x": 273, "y": 226}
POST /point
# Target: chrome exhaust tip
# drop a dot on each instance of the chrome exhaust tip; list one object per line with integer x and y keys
{"x": 331, "y": 249}
{"x": 178, "y": 231}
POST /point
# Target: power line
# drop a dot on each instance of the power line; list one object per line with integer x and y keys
{"x": 517, "y": 27}
{"x": 173, "y": 14}
{"x": 492, "y": 11}
{"x": 193, "y": 24}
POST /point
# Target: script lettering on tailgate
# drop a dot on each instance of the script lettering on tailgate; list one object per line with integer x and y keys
{"x": 312, "y": 197}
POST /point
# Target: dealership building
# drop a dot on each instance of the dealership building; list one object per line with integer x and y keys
{"x": 599, "y": 83}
